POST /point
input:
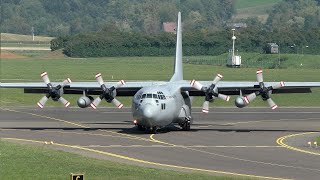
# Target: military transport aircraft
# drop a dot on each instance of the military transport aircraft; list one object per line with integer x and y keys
{"x": 157, "y": 104}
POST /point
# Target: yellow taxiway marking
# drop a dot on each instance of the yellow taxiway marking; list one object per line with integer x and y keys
{"x": 239, "y": 159}
{"x": 135, "y": 145}
{"x": 79, "y": 125}
{"x": 281, "y": 143}
{"x": 178, "y": 146}
{"x": 161, "y": 142}
{"x": 47, "y": 117}
{"x": 61, "y": 132}
{"x": 147, "y": 162}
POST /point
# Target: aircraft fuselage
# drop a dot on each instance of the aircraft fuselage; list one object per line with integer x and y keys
{"x": 160, "y": 106}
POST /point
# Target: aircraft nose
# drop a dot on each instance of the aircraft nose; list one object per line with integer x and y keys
{"x": 148, "y": 111}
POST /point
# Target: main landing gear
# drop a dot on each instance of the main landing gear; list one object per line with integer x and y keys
{"x": 186, "y": 124}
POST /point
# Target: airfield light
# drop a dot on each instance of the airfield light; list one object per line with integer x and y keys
{"x": 316, "y": 144}
{"x": 309, "y": 143}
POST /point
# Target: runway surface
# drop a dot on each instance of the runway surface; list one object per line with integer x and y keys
{"x": 251, "y": 142}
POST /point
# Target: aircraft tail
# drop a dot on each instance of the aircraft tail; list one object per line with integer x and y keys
{"x": 178, "y": 69}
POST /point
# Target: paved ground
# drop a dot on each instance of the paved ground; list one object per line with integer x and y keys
{"x": 253, "y": 142}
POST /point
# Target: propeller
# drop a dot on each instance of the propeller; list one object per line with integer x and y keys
{"x": 107, "y": 93}
{"x": 54, "y": 92}
{"x": 211, "y": 92}
{"x": 264, "y": 92}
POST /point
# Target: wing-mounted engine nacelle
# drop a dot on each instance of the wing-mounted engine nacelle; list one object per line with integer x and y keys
{"x": 84, "y": 101}
{"x": 240, "y": 103}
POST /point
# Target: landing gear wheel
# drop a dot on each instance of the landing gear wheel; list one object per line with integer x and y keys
{"x": 152, "y": 130}
{"x": 186, "y": 125}
{"x": 141, "y": 128}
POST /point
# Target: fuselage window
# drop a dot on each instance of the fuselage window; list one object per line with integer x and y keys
{"x": 143, "y": 96}
{"x": 155, "y": 96}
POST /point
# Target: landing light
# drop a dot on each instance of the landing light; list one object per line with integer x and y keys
{"x": 135, "y": 121}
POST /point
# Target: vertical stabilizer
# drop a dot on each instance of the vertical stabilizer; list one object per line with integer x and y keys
{"x": 178, "y": 69}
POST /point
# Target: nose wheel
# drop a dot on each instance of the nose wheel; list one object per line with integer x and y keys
{"x": 140, "y": 127}
{"x": 153, "y": 130}
{"x": 150, "y": 130}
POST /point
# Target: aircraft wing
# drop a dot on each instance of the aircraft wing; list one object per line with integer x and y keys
{"x": 130, "y": 88}
{"x": 247, "y": 87}
{"x": 91, "y": 88}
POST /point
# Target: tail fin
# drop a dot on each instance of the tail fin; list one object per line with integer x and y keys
{"x": 178, "y": 69}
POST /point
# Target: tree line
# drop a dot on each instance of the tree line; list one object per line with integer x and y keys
{"x": 61, "y": 18}
{"x": 133, "y": 28}
{"x": 116, "y": 43}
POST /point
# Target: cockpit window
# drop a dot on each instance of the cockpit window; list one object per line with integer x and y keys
{"x": 143, "y": 96}
{"x": 149, "y": 95}
{"x": 155, "y": 96}
{"x": 162, "y": 96}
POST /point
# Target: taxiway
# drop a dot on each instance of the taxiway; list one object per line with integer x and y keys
{"x": 251, "y": 142}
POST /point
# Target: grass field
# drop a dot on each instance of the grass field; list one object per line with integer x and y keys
{"x": 253, "y": 8}
{"x": 142, "y": 68}
{"x": 318, "y": 140}
{"x": 5, "y": 37}
{"x": 242, "y": 4}
{"x": 265, "y": 61}
{"x": 38, "y": 162}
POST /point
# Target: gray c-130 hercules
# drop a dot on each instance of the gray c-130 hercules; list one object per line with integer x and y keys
{"x": 157, "y": 104}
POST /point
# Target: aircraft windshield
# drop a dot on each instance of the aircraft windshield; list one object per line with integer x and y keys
{"x": 154, "y": 96}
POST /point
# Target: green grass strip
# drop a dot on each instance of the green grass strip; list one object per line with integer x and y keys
{"x": 36, "y": 162}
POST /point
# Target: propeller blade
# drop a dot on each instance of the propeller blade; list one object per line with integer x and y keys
{"x": 117, "y": 103}
{"x": 259, "y": 76}
{"x": 120, "y": 83}
{"x": 249, "y": 98}
{"x": 196, "y": 85}
{"x": 272, "y": 104}
{"x": 66, "y": 82}
{"x": 64, "y": 101}
{"x": 217, "y": 79}
{"x": 205, "y": 107}
{"x": 42, "y": 102}
{"x": 95, "y": 103}
{"x": 99, "y": 79}
{"x": 224, "y": 97}
{"x": 279, "y": 85}
{"x": 45, "y": 77}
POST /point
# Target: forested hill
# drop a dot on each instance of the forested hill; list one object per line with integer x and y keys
{"x": 67, "y": 17}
